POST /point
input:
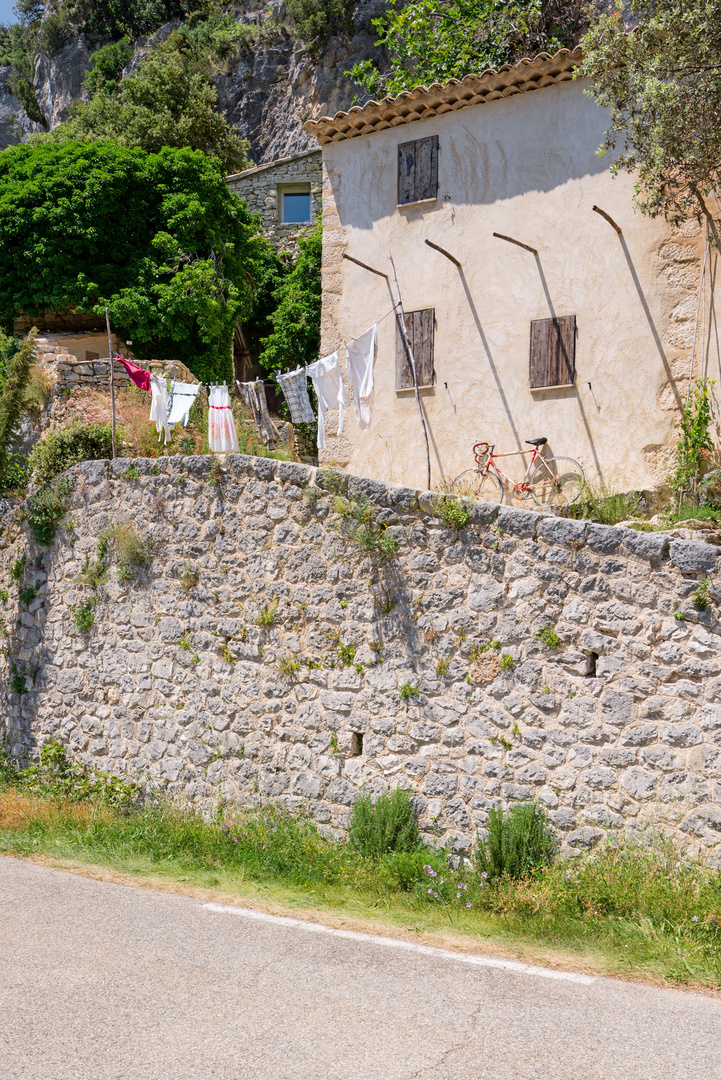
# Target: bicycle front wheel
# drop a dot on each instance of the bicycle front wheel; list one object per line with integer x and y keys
{"x": 478, "y": 484}
{"x": 557, "y": 482}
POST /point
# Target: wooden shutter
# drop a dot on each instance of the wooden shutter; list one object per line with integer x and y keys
{"x": 418, "y": 170}
{"x": 553, "y": 352}
{"x": 420, "y": 327}
{"x": 406, "y": 173}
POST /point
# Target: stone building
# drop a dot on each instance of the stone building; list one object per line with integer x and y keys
{"x": 286, "y": 193}
{"x": 550, "y": 306}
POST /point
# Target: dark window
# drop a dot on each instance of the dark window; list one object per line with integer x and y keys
{"x": 418, "y": 170}
{"x": 419, "y": 327}
{"x": 553, "y": 352}
{"x": 296, "y": 208}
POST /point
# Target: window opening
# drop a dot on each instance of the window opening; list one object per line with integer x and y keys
{"x": 418, "y": 170}
{"x": 296, "y": 207}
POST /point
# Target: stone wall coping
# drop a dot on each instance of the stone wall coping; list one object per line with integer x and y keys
{"x": 689, "y": 556}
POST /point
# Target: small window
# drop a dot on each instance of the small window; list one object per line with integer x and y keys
{"x": 295, "y": 207}
{"x": 553, "y": 352}
{"x": 420, "y": 327}
{"x": 418, "y": 170}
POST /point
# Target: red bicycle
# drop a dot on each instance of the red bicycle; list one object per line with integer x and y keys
{"x": 549, "y": 481}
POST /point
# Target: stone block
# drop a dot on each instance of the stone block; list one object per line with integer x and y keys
{"x": 648, "y": 546}
{"x": 295, "y": 472}
{"x": 557, "y": 530}
{"x": 518, "y": 522}
{"x": 692, "y": 556}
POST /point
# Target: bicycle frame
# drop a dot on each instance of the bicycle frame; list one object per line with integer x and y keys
{"x": 486, "y": 459}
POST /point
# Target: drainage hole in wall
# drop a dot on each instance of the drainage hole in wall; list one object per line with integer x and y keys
{"x": 356, "y": 744}
{"x": 591, "y": 659}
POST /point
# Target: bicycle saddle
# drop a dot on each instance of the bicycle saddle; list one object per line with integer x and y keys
{"x": 536, "y": 442}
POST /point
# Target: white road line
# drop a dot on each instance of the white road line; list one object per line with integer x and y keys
{"x": 515, "y": 966}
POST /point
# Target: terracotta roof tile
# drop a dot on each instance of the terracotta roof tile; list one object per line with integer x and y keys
{"x": 424, "y": 101}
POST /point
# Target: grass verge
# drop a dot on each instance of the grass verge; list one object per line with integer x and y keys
{"x": 629, "y": 911}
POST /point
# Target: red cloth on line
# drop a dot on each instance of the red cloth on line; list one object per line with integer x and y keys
{"x": 137, "y": 375}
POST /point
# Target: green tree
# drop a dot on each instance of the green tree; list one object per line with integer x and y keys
{"x": 317, "y": 20}
{"x": 159, "y": 238}
{"x": 170, "y": 100}
{"x": 17, "y": 49}
{"x": 429, "y": 41}
{"x": 107, "y": 66}
{"x": 15, "y": 382}
{"x": 662, "y": 85}
{"x": 295, "y": 338}
{"x": 117, "y": 18}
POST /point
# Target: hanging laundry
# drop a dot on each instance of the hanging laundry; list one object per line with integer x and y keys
{"x": 138, "y": 375}
{"x": 222, "y": 437}
{"x": 159, "y": 406}
{"x": 330, "y": 391}
{"x": 294, "y": 385}
{"x": 360, "y": 357}
{"x": 253, "y": 395}
{"x": 180, "y": 401}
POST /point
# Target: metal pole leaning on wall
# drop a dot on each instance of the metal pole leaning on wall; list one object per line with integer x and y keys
{"x": 112, "y": 378}
{"x": 412, "y": 361}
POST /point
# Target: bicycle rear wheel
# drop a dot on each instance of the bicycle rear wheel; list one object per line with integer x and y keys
{"x": 478, "y": 484}
{"x": 557, "y": 481}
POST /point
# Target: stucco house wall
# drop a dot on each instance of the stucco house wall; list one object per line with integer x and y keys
{"x": 525, "y": 166}
{"x": 262, "y": 188}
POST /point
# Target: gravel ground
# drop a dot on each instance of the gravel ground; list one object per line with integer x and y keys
{"x": 101, "y": 981}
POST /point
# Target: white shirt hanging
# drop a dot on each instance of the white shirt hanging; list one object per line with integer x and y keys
{"x": 360, "y": 357}
{"x": 159, "y": 405}
{"x": 330, "y": 392}
{"x": 222, "y": 436}
{"x": 182, "y": 396}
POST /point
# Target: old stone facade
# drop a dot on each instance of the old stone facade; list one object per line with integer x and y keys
{"x": 265, "y": 186}
{"x": 262, "y": 656}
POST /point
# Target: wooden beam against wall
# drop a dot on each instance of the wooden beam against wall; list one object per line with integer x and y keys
{"x": 443, "y": 251}
{"x": 518, "y": 243}
{"x": 609, "y": 219}
{"x": 365, "y": 266}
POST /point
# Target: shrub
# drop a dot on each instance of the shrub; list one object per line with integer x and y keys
{"x": 54, "y": 777}
{"x": 69, "y": 446}
{"x": 133, "y": 551}
{"x": 16, "y": 376}
{"x": 317, "y": 20}
{"x": 83, "y": 615}
{"x": 516, "y": 843}
{"x": 548, "y": 636}
{"x": 386, "y": 825}
{"x": 47, "y": 507}
{"x": 452, "y": 511}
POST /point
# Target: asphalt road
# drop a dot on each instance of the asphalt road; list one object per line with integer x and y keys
{"x": 105, "y": 982}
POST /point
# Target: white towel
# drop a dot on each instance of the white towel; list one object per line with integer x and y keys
{"x": 330, "y": 392}
{"x": 359, "y": 360}
{"x": 182, "y": 396}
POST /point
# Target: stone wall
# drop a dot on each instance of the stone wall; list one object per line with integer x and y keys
{"x": 227, "y": 670}
{"x": 260, "y": 188}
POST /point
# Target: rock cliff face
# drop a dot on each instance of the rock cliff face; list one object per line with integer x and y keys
{"x": 267, "y": 94}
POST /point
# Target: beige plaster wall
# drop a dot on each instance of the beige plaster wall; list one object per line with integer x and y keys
{"x": 526, "y": 167}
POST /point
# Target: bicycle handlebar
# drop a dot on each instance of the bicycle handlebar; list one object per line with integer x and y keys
{"x": 482, "y": 451}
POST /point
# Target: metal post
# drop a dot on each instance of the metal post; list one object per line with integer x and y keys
{"x": 112, "y": 378}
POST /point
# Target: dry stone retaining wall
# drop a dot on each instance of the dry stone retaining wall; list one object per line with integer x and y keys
{"x": 178, "y": 684}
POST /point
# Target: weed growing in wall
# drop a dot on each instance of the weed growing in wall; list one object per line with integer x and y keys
{"x": 287, "y": 666}
{"x": 83, "y": 614}
{"x": 266, "y": 615}
{"x": 548, "y": 636}
{"x": 189, "y": 576}
{"x": 46, "y": 508}
{"x": 452, "y": 511}
{"x": 17, "y": 568}
{"x": 358, "y": 523}
{"x": 408, "y": 691}
{"x": 700, "y": 597}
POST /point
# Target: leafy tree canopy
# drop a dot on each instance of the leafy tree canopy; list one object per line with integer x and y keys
{"x": 295, "y": 338}
{"x": 434, "y": 40}
{"x": 120, "y": 18}
{"x": 317, "y": 20}
{"x": 159, "y": 238}
{"x": 169, "y": 100}
{"x": 663, "y": 85}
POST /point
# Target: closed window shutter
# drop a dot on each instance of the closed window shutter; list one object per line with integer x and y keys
{"x": 418, "y": 170}
{"x": 420, "y": 327}
{"x": 406, "y": 173}
{"x": 553, "y": 352}
{"x": 427, "y": 168}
